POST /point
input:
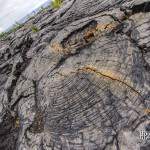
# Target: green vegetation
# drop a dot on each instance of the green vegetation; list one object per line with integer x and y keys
{"x": 17, "y": 26}
{"x": 30, "y": 17}
{"x": 42, "y": 8}
{"x": 56, "y": 4}
{"x": 3, "y": 35}
{"x": 34, "y": 29}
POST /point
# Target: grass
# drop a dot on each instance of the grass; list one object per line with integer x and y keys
{"x": 34, "y": 29}
{"x": 56, "y": 4}
{"x": 17, "y": 26}
{"x": 3, "y": 35}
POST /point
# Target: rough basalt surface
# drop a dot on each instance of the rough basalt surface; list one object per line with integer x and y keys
{"x": 82, "y": 82}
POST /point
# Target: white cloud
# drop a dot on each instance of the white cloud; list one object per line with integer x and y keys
{"x": 13, "y": 10}
{"x": 1, "y": 29}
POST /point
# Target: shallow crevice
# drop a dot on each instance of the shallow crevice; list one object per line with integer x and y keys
{"x": 119, "y": 30}
{"x": 9, "y": 131}
{"x": 144, "y": 7}
{"x": 18, "y": 99}
{"x": 20, "y": 66}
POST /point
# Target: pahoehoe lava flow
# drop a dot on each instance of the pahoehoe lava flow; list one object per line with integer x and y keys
{"x": 79, "y": 82}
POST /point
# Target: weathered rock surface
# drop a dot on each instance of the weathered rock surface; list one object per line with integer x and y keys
{"x": 82, "y": 82}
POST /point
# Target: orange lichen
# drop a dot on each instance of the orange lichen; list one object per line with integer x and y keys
{"x": 57, "y": 48}
{"x": 106, "y": 27}
{"x": 111, "y": 75}
{"x": 147, "y": 111}
{"x": 108, "y": 73}
{"x": 89, "y": 35}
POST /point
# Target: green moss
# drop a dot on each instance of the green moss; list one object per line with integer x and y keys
{"x": 56, "y": 4}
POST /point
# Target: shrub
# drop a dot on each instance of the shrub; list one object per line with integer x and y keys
{"x": 3, "y": 35}
{"x": 56, "y": 4}
{"x": 34, "y": 29}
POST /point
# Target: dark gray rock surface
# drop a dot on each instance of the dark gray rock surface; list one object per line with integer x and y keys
{"x": 81, "y": 82}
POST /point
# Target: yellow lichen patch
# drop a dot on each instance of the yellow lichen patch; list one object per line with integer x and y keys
{"x": 17, "y": 122}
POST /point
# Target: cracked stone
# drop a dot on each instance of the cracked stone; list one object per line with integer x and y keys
{"x": 82, "y": 82}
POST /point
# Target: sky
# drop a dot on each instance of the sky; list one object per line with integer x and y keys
{"x": 13, "y": 10}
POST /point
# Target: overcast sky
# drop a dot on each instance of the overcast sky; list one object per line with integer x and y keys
{"x": 13, "y": 10}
